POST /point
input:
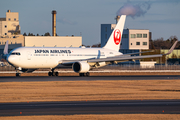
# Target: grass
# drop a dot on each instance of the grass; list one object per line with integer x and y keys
{"x": 89, "y": 90}
{"x": 98, "y": 117}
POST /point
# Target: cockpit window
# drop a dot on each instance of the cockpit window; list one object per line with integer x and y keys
{"x": 15, "y": 53}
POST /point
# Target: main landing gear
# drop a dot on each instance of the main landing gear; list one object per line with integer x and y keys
{"x": 84, "y": 74}
{"x": 52, "y": 73}
{"x": 18, "y": 74}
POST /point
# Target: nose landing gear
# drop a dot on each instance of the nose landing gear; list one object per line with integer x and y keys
{"x": 17, "y": 72}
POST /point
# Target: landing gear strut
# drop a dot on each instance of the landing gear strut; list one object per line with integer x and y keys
{"x": 17, "y": 72}
{"x": 52, "y": 73}
{"x": 84, "y": 74}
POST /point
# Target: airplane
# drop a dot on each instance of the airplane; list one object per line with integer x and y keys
{"x": 82, "y": 60}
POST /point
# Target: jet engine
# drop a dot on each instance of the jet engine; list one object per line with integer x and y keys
{"x": 81, "y": 67}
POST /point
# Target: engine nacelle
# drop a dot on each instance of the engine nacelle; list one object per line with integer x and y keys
{"x": 81, "y": 67}
{"x": 101, "y": 64}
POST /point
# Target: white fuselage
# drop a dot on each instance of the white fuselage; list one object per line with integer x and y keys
{"x": 50, "y": 57}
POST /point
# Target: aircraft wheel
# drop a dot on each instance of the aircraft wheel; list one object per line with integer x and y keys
{"x": 49, "y": 73}
{"x": 81, "y": 74}
{"x": 87, "y": 74}
{"x": 18, "y": 74}
{"x": 56, "y": 73}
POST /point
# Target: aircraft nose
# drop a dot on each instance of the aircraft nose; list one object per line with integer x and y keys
{"x": 10, "y": 59}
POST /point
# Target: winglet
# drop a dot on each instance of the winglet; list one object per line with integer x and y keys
{"x": 6, "y": 48}
{"x": 172, "y": 48}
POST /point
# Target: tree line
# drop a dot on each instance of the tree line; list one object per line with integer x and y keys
{"x": 163, "y": 44}
{"x": 159, "y": 43}
{"x": 31, "y": 34}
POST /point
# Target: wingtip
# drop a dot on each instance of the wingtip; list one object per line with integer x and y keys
{"x": 6, "y": 48}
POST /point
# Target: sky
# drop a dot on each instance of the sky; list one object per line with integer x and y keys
{"x": 84, "y": 17}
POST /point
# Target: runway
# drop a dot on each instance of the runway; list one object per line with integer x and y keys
{"x": 90, "y": 78}
{"x": 91, "y": 107}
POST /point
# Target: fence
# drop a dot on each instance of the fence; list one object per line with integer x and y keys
{"x": 115, "y": 67}
{"x": 7, "y": 68}
{"x": 138, "y": 67}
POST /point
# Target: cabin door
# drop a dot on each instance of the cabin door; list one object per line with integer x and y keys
{"x": 28, "y": 55}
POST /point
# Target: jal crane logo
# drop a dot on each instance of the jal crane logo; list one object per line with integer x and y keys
{"x": 117, "y": 36}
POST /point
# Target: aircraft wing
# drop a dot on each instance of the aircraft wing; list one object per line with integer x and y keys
{"x": 120, "y": 58}
{"x": 110, "y": 59}
{"x": 137, "y": 52}
{"x": 123, "y": 58}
